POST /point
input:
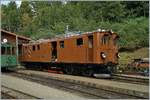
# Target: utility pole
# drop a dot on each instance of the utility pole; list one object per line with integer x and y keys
{"x": 67, "y": 28}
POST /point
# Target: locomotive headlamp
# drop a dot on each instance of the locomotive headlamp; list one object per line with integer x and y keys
{"x": 103, "y": 55}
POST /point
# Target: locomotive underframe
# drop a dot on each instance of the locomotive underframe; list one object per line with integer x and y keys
{"x": 73, "y": 68}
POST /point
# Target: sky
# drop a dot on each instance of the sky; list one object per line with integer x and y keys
{"x": 5, "y": 2}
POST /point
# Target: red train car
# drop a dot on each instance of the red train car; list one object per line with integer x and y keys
{"x": 90, "y": 53}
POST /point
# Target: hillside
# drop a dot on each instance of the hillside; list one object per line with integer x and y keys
{"x": 126, "y": 57}
{"x": 45, "y": 19}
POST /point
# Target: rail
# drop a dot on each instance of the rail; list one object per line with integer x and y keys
{"x": 9, "y": 93}
{"x": 130, "y": 79}
{"x": 83, "y": 90}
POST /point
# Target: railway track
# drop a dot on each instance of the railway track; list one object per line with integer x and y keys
{"x": 85, "y": 91}
{"x": 120, "y": 78}
{"x": 9, "y": 93}
{"x": 128, "y": 79}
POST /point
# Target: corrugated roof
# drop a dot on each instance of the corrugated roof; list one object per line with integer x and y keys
{"x": 19, "y": 36}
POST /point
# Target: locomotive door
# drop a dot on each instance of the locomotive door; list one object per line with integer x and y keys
{"x": 54, "y": 51}
{"x": 90, "y": 48}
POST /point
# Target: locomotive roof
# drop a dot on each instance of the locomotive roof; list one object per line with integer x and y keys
{"x": 73, "y": 35}
{"x": 70, "y": 35}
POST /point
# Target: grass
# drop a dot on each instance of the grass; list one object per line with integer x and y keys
{"x": 126, "y": 57}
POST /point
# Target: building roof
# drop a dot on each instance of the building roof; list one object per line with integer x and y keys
{"x": 19, "y": 36}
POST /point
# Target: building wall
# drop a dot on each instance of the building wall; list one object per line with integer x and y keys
{"x": 10, "y": 38}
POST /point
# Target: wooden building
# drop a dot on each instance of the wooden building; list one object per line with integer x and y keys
{"x": 14, "y": 39}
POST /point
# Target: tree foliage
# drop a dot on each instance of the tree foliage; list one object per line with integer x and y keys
{"x": 45, "y": 19}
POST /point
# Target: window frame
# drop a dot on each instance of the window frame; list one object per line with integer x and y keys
{"x": 13, "y": 51}
{"x": 33, "y": 48}
{"x": 115, "y": 41}
{"x": 79, "y": 41}
{"x": 105, "y": 39}
{"x": 3, "y": 53}
{"x": 38, "y": 47}
{"x": 8, "y": 50}
{"x": 62, "y": 44}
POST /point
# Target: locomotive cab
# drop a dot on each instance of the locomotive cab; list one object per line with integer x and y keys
{"x": 101, "y": 53}
{"x": 109, "y": 50}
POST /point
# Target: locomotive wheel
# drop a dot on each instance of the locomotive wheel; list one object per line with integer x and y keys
{"x": 89, "y": 73}
{"x": 69, "y": 70}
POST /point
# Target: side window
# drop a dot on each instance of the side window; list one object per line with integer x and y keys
{"x": 90, "y": 41}
{"x": 38, "y": 47}
{"x": 79, "y": 41}
{"x": 105, "y": 39}
{"x": 115, "y": 41}
{"x": 3, "y": 51}
{"x": 33, "y": 47}
{"x": 8, "y": 50}
{"x": 13, "y": 51}
{"x": 61, "y": 44}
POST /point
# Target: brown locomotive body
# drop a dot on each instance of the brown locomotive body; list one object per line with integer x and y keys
{"x": 88, "y": 53}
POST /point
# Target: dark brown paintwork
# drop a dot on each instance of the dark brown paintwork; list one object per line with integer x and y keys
{"x": 11, "y": 39}
{"x": 71, "y": 53}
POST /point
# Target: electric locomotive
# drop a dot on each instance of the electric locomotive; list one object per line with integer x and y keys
{"x": 91, "y": 53}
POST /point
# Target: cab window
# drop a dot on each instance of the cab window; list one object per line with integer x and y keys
{"x": 105, "y": 39}
{"x": 116, "y": 41}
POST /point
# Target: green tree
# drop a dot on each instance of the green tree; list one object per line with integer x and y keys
{"x": 10, "y": 17}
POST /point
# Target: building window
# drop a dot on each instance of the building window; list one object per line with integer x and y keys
{"x": 61, "y": 44}
{"x": 8, "y": 50}
{"x": 38, "y": 47}
{"x": 79, "y": 41}
{"x": 33, "y": 47}
{"x": 13, "y": 51}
